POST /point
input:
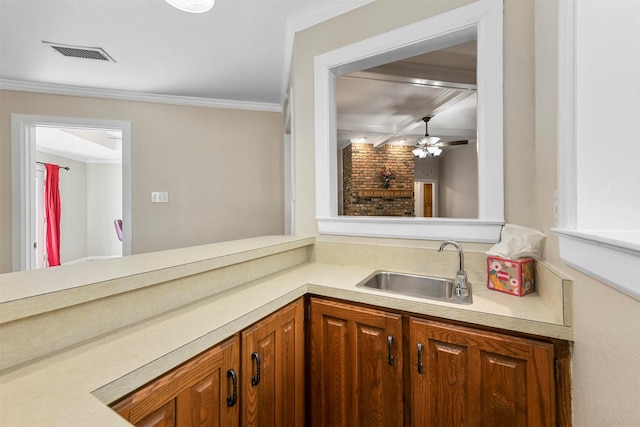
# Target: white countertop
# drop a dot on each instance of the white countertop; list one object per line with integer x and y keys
{"x": 69, "y": 388}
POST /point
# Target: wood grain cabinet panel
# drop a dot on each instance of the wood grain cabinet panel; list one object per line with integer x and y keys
{"x": 194, "y": 394}
{"x": 466, "y": 377}
{"x": 164, "y": 416}
{"x": 356, "y": 366}
{"x": 272, "y": 392}
{"x": 367, "y": 367}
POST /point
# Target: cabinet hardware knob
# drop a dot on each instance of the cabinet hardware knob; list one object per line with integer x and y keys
{"x": 389, "y": 347}
{"x": 419, "y": 357}
{"x": 255, "y": 380}
{"x": 231, "y": 400}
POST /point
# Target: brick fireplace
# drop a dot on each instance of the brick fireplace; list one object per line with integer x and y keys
{"x": 364, "y": 191}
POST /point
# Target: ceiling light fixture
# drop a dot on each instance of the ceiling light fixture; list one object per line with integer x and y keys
{"x": 192, "y": 6}
{"x": 425, "y": 146}
{"x": 359, "y": 140}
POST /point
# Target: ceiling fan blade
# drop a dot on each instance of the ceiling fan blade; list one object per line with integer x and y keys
{"x": 451, "y": 143}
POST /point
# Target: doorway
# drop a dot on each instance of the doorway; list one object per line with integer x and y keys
{"x": 426, "y": 198}
{"x": 24, "y": 189}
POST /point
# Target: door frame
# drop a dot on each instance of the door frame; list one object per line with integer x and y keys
{"x": 418, "y": 191}
{"x": 23, "y": 164}
{"x": 40, "y": 223}
{"x": 289, "y": 168}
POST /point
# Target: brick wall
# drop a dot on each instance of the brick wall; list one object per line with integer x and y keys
{"x": 361, "y": 164}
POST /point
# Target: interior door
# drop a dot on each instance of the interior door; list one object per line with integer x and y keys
{"x": 428, "y": 199}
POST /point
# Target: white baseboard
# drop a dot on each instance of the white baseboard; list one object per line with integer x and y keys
{"x": 90, "y": 258}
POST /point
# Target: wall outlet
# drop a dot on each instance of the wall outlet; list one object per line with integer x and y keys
{"x": 159, "y": 197}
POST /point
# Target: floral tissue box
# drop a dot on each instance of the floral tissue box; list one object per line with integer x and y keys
{"x": 512, "y": 276}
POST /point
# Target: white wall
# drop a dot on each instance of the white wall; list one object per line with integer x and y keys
{"x": 428, "y": 168}
{"x": 607, "y": 113}
{"x": 456, "y": 171}
{"x": 458, "y": 183}
{"x": 91, "y": 198}
{"x": 104, "y": 205}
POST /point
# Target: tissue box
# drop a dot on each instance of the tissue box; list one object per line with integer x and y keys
{"x": 512, "y": 276}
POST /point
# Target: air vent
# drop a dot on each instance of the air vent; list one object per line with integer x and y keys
{"x": 83, "y": 52}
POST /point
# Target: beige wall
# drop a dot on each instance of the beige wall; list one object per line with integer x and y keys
{"x": 606, "y": 359}
{"x": 207, "y": 178}
{"x": 223, "y": 169}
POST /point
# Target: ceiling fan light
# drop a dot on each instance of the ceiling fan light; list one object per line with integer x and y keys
{"x": 434, "y": 151}
{"x": 428, "y": 140}
{"x": 417, "y": 151}
{"x": 192, "y": 6}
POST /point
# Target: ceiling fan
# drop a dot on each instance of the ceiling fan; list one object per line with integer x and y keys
{"x": 431, "y": 146}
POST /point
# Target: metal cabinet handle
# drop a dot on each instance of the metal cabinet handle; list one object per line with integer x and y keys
{"x": 390, "y": 347}
{"x": 419, "y": 357}
{"x": 231, "y": 400}
{"x": 255, "y": 380}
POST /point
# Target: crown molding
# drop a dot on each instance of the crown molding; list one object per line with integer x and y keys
{"x": 190, "y": 101}
{"x": 298, "y": 21}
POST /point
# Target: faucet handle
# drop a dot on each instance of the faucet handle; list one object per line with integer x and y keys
{"x": 462, "y": 284}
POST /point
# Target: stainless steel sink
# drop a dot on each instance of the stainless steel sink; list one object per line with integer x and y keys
{"x": 434, "y": 288}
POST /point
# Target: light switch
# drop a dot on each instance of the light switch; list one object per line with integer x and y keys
{"x": 159, "y": 197}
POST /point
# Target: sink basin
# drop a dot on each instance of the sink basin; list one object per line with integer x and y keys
{"x": 434, "y": 288}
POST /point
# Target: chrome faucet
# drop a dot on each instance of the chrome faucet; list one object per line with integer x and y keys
{"x": 463, "y": 288}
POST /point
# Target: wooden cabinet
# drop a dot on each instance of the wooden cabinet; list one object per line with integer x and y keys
{"x": 454, "y": 375}
{"x": 198, "y": 393}
{"x": 367, "y": 366}
{"x": 260, "y": 370}
{"x": 272, "y": 392}
{"x": 466, "y": 377}
{"x": 356, "y": 366}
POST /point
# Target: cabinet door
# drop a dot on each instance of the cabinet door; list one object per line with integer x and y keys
{"x": 465, "y": 377}
{"x": 356, "y": 366}
{"x": 212, "y": 400}
{"x": 273, "y": 369}
{"x": 198, "y": 393}
{"x": 164, "y": 416}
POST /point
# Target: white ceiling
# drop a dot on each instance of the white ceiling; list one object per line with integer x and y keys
{"x": 387, "y": 104}
{"x": 83, "y": 145}
{"x": 239, "y": 51}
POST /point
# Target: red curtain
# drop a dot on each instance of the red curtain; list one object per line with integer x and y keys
{"x": 52, "y": 208}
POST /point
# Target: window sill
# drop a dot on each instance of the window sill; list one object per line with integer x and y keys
{"x": 610, "y": 256}
{"x": 463, "y": 230}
